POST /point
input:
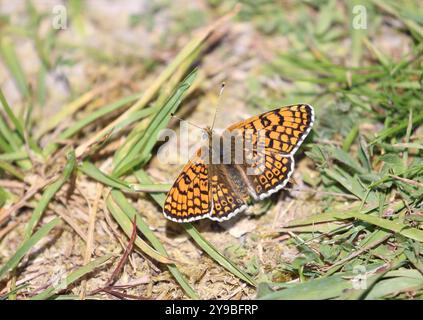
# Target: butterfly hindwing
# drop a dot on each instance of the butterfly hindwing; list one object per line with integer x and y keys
{"x": 269, "y": 174}
{"x": 228, "y": 195}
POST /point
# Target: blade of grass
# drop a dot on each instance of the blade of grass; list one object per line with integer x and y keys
{"x": 388, "y": 132}
{"x": 373, "y": 240}
{"x": 316, "y": 289}
{"x": 216, "y": 255}
{"x": 90, "y": 118}
{"x": 11, "y": 60}
{"x": 16, "y": 122}
{"x": 11, "y": 170}
{"x": 396, "y": 227}
{"x": 349, "y": 140}
{"x": 13, "y": 292}
{"x": 376, "y": 52}
{"x": 72, "y": 107}
{"x": 72, "y": 277}
{"x": 93, "y": 172}
{"x": 125, "y": 223}
{"x": 4, "y": 145}
{"x": 13, "y": 156}
{"x": 407, "y": 136}
{"x": 151, "y": 187}
{"x": 412, "y": 282}
{"x": 198, "y": 238}
{"x": 27, "y": 245}
{"x": 165, "y": 92}
{"x": 48, "y": 195}
{"x": 11, "y": 137}
{"x": 126, "y": 207}
{"x": 141, "y": 151}
{"x": 414, "y": 170}
{"x": 151, "y": 91}
{"x": 373, "y": 280}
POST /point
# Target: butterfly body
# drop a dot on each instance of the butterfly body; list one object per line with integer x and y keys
{"x": 250, "y": 160}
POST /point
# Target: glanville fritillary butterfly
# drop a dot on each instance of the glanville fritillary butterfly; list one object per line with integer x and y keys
{"x": 218, "y": 190}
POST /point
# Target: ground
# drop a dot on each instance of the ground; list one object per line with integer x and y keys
{"x": 85, "y": 86}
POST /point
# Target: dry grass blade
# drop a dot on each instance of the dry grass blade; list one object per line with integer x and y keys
{"x": 27, "y": 245}
{"x": 200, "y": 240}
{"x": 90, "y": 237}
{"x": 160, "y": 80}
{"x": 73, "y": 107}
{"x": 71, "y": 278}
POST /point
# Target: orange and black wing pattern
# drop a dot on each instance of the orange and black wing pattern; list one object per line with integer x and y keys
{"x": 228, "y": 196}
{"x": 189, "y": 199}
{"x": 219, "y": 191}
{"x": 284, "y": 128}
{"x": 270, "y": 174}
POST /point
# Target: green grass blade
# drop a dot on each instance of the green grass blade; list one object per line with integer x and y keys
{"x": 11, "y": 170}
{"x": 140, "y": 152}
{"x": 13, "y": 292}
{"x": 198, "y": 238}
{"x": 349, "y": 140}
{"x": 317, "y": 289}
{"x": 403, "y": 229}
{"x": 93, "y": 172}
{"x": 151, "y": 187}
{"x": 72, "y": 277}
{"x": 216, "y": 255}
{"x": 391, "y": 131}
{"x": 126, "y": 225}
{"x": 69, "y": 109}
{"x": 16, "y": 122}
{"x": 13, "y": 156}
{"x": 391, "y": 285}
{"x": 27, "y": 245}
{"x": 10, "y": 59}
{"x": 13, "y": 141}
{"x": 90, "y": 118}
{"x": 4, "y": 145}
{"x": 48, "y": 195}
{"x": 145, "y": 230}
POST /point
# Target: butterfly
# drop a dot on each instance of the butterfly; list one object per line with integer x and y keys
{"x": 214, "y": 185}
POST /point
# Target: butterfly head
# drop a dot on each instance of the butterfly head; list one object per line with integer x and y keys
{"x": 208, "y": 132}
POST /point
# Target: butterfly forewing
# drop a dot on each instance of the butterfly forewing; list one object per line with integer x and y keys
{"x": 283, "y": 129}
{"x": 189, "y": 197}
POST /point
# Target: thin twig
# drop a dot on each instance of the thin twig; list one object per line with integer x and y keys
{"x": 30, "y": 193}
{"x": 108, "y": 287}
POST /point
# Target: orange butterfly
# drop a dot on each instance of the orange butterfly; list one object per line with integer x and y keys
{"x": 210, "y": 187}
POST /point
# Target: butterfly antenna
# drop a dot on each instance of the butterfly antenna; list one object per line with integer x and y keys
{"x": 222, "y": 87}
{"x": 180, "y": 119}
